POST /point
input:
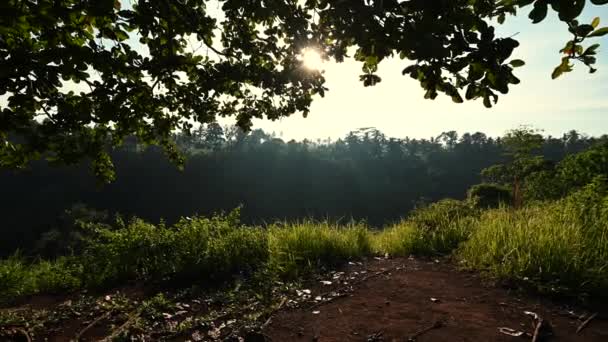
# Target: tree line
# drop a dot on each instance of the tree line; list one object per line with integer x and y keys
{"x": 363, "y": 176}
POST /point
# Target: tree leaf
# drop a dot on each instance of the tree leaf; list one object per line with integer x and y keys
{"x": 516, "y": 63}
{"x": 584, "y": 30}
{"x": 570, "y": 9}
{"x": 539, "y": 13}
{"x": 596, "y": 22}
{"x": 599, "y": 32}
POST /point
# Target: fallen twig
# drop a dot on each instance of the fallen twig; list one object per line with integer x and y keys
{"x": 92, "y": 324}
{"x": 25, "y": 333}
{"x": 123, "y": 327}
{"x": 436, "y": 325}
{"x": 585, "y": 323}
{"x": 539, "y": 325}
{"x": 272, "y": 313}
{"x": 510, "y": 332}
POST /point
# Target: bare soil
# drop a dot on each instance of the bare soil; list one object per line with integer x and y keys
{"x": 380, "y": 299}
{"x": 432, "y": 301}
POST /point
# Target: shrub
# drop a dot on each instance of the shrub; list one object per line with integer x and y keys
{"x": 217, "y": 247}
{"x": 195, "y": 248}
{"x": 489, "y": 195}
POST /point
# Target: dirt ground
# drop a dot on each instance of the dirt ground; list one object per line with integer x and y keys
{"x": 401, "y": 299}
{"x": 432, "y": 301}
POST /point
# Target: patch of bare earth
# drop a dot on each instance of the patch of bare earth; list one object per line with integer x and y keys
{"x": 413, "y": 300}
{"x": 377, "y": 300}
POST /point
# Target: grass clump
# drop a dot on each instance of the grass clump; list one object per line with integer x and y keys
{"x": 560, "y": 246}
{"x": 434, "y": 230}
{"x": 300, "y": 248}
{"x": 19, "y": 278}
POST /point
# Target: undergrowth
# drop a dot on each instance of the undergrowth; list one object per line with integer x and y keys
{"x": 560, "y": 245}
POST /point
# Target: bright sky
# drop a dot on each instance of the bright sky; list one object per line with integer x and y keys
{"x": 396, "y": 106}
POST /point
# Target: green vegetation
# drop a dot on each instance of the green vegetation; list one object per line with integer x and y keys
{"x": 559, "y": 246}
{"x": 556, "y": 240}
{"x": 562, "y": 245}
{"x": 303, "y": 247}
{"x": 80, "y": 77}
{"x": 364, "y": 176}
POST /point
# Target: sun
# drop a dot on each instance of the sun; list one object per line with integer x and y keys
{"x": 311, "y": 58}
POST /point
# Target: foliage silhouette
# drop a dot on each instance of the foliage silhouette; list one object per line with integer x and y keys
{"x": 83, "y": 76}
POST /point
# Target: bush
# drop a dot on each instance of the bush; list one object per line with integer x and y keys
{"x": 217, "y": 247}
{"x": 69, "y": 235}
{"x": 195, "y": 248}
{"x": 489, "y": 195}
{"x": 433, "y": 230}
{"x": 440, "y": 214}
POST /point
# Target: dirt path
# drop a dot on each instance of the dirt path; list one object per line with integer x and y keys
{"x": 415, "y": 296}
{"x": 378, "y": 300}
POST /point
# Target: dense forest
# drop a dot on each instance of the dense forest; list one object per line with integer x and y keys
{"x": 364, "y": 176}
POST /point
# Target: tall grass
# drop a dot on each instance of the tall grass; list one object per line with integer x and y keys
{"x": 434, "y": 230}
{"x": 20, "y": 278}
{"x": 561, "y": 245}
{"x": 299, "y": 248}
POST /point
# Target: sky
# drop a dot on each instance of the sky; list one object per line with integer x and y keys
{"x": 396, "y": 106}
{"x": 577, "y": 100}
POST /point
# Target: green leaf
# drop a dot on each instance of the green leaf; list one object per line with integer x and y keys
{"x": 591, "y": 50}
{"x": 599, "y": 32}
{"x": 457, "y": 98}
{"x": 584, "y": 30}
{"x": 570, "y": 9}
{"x": 562, "y": 68}
{"x": 596, "y": 22}
{"x": 486, "y": 101}
{"x": 501, "y": 18}
{"x": 516, "y": 63}
{"x": 599, "y": 2}
{"x": 539, "y": 13}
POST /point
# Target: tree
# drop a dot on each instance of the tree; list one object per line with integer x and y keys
{"x": 522, "y": 149}
{"x": 82, "y": 75}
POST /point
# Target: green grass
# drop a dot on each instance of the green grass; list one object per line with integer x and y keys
{"x": 300, "y": 248}
{"x": 434, "y": 230}
{"x": 561, "y": 244}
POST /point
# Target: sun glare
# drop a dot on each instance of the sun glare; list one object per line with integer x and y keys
{"x": 312, "y": 59}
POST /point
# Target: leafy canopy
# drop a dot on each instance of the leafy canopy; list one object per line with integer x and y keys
{"x": 79, "y": 76}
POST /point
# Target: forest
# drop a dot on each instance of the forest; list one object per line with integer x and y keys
{"x": 365, "y": 176}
